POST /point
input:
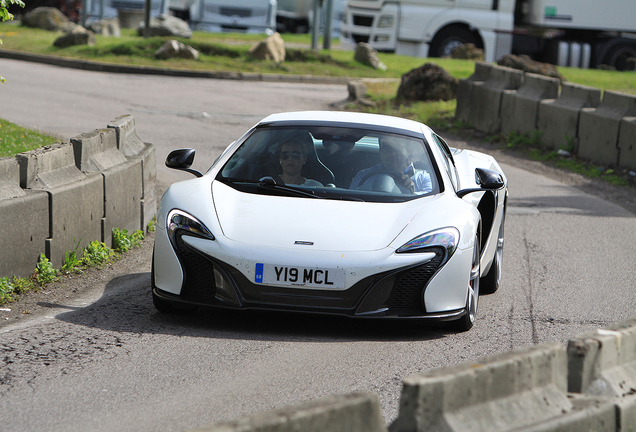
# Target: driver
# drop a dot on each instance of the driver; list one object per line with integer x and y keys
{"x": 394, "y": 161}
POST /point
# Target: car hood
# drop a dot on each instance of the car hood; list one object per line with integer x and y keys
{"x": 327, "y": 225}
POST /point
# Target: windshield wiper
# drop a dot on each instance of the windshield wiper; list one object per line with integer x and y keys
{"x": 270, "y": 183}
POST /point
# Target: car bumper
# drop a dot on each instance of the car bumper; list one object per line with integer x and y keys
{"x": 208, "y": 280}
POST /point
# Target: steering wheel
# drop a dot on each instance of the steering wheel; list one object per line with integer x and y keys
{"x": 383, "y": 186}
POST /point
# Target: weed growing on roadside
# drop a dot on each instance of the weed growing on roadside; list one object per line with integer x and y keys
{"x": 72, "y": 264}
{"x": 7, "y": 293}
{"x": 152, "y": 225}
{"x": 97, "y": 254}
{"x": 44, "y": 271}
{"x": 123, "y": 242}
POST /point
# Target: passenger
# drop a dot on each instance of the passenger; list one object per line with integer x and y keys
{"x": 292, "y": 156}
{"x": 394, "y": 161}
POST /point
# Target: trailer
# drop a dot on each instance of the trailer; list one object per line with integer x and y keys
{"x": 577, "y": 33}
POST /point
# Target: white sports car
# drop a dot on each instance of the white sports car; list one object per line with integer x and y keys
{"x": 333, "y": 212}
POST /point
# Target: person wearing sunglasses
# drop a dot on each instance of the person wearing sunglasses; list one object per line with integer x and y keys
{"x": 395, "y": 172}
{"x": 292, "y": 156}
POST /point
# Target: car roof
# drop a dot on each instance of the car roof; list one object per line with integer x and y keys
{"x": 343, "y": 117}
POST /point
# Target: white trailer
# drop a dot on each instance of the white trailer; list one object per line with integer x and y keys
{"x": 579, "y": 33}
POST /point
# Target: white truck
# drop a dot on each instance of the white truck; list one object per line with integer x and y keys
{"x": 577, "y": 33}
{"x": 246, "y": 16}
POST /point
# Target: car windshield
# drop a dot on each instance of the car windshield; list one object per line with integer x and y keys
{"x": 332, "y": 162}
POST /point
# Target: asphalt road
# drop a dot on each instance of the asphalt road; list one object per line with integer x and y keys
{"x": 104, "y": 359}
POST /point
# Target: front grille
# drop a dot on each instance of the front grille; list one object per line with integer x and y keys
{"x": 199, "y": 271}
{"x": 407, "y": 291}
{"x": 360, "y": 38}
{"x": 363, "y": 21}
{"x": 239, "y": 12}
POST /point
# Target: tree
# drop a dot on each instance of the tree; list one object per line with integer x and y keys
{"x": 5, "y": 15}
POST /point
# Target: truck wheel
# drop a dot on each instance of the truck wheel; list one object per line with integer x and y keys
{"x": 619, "y": 56}
{"x": 446, "y": 40}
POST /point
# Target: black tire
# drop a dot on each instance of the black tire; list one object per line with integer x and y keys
{"x": 491, "y": 282}
{"x": 450, "y": 38}
{"x": 619, "y": 55}
{"x": 467, "y": 321}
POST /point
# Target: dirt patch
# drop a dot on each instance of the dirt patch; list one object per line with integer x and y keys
{"x": 35, "y": 304}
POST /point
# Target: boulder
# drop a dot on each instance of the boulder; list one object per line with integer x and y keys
{"x": 48, "y": 18}
{"x": 366, "y": 55}
{"x": 176, "y": 49}
{"x": 166, "y": 25}
{"x": 78, "y": 36}
{"x": 106, "y": 27}
{"x": 468, "y": 52}
{"x": 427, "y": 83}
{"x": 526, "y": 64}
{"x": 271, "y": 48}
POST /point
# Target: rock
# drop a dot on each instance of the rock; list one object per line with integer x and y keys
{"x": 468, "y": 52}
{"x": 173, "y": 48}
{"x": 48, "y": 18}
{"x": 427, "y": 83}
{"x": 526, "y": 64}
{"x": 366, "y": 55}
{"x": 357, "y": 94}
{"x": 106, "y": 27}
{"x": 78, "y": 36}
{"x": 166, "y": 25}
{"x": 271, "y": 48}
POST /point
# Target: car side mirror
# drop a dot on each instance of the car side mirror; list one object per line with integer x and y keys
{"x": 182, "y": 159}
{"x": 487, "y": 179}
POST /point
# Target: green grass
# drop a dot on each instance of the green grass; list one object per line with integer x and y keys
{"x": 15, "y": 139}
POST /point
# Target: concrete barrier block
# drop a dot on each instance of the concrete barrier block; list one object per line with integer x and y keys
{"x": 627, "y": 143}
{"x": 127, "y": 140}
{"x": 132, "y": 147}
{"x": 122, "y": 197}
{"x": 48, "y": 167}
{"x": 356, "y": 412}
{"x": 603, "y": 363}
{"x": 97, "y": 150}
{"x": 465, "y": 88}
{"x": 486, "y": 97}
{"x": 25, "y": 216}
{"x": 76, "y": 199}
{"x": 524, "y": 389}
{"x": 599, "y": 127}
{"x": 558, "y": 119}
{"x": 520, "y": 108}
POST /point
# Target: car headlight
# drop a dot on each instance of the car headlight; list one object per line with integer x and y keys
{"x": 447, "y": 238}
{"x": 178, "y": 219}
{"x": 385, "y": 21}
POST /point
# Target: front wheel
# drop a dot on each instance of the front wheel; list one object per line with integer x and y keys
{"x": 448, "y": 39}
{"x": 467, "y": 321}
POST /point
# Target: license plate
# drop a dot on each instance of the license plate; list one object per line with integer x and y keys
{"x": 270, "y": 274}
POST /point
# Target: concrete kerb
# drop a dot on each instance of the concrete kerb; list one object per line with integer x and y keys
{"x": 148, "y": 70}
{"x": 603, "y": 363}
{"x": 558, "y": 119}
{"x": 522, "y": 390}
{"x": 355, "y": 412}
{"x": 486, "y": 98}
{"x": 599, "y": 127}
{"x": 97, "y": 152}
{"x": 520, "y": 108}
{"x": 19, "y": 209}
{"x": 465, "y": 87}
